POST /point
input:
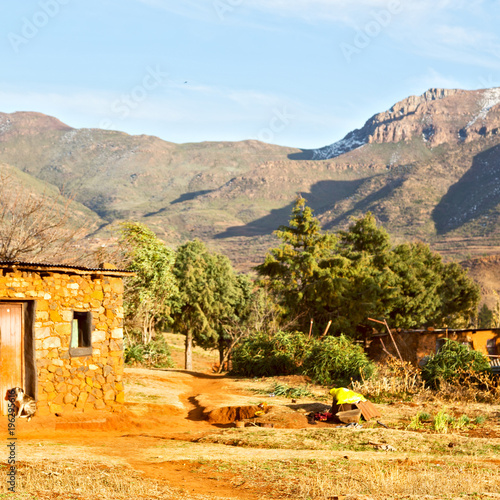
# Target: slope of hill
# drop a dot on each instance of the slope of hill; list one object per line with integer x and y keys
{"x": 486, "y": 272}
{"x": 428, "y": 169}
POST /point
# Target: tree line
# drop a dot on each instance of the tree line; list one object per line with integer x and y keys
{"x": 311, "y": 279}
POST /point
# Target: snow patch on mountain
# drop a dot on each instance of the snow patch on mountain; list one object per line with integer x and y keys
{"x": 353, "y": 140}
{"x": 490, "y": 98}
{"x": 5, "y": 125}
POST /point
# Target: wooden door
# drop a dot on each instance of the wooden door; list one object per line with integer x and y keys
{"x": 11, "y": 350}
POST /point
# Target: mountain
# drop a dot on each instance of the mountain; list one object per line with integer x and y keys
{"x": 486, "y": 272}
{"x": 428, "y": 169}
{"x": 439, "y": 116}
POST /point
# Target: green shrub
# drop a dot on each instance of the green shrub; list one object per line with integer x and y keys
{"x": 290, "y": 392}
{"x": 337, "y": 361}
{"x": 329, "y": 361}
{"x": 263, "y": 355}
{"x": 441, "y": 422}
{"x": 155, "y": 354}
{"x": 134, "y": 354}
{"x": 452, "y": 362}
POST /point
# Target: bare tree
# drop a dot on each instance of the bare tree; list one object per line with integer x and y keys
{"x": 34, "y": 225}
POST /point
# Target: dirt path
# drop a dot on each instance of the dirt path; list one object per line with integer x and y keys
{"x": 163, "y": 416}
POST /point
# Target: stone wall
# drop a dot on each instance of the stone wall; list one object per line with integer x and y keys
{"x": 68, "y": 383}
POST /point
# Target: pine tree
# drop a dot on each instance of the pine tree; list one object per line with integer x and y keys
{"x": 290, "y": 269}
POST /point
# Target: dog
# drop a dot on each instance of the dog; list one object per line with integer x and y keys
{"x": 26, "y": 405}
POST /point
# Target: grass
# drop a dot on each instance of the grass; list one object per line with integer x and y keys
{"x": 301, "y": 479}
{"x": 393, "y": 381}
{"x": 83, "y": 479}
{"x": 47, "y": 480}
{"x": 284, "y": 390}
{"x": 441, "y": 422}
{"x": 322, "y": 479}
{"x": 358, "y": 440}
{"x": 401, "y": 381}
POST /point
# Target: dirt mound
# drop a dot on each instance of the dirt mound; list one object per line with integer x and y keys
{"x": 231, "y": 414}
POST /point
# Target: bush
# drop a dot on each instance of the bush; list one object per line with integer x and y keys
{"x": 263, "y": 355}
{"x": 156, "y": 354}
{"x": 337, "y": 361}
{"x": 453, "y": 362}
{"x": 329, "y": 361}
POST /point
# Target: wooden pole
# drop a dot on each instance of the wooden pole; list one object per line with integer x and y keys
{"x": 326, "y": 329}
{"x": 390, "y": 333}
{"x": 311, "y": 328}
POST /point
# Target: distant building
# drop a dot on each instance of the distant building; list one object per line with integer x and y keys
{"x": 61, "y": 335}
{"x": 415, "y": 345}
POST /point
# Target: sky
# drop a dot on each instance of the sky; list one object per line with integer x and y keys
{"x": 300, "y": 73}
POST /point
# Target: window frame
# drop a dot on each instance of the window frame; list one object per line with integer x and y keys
{"x": 84, "y": 320}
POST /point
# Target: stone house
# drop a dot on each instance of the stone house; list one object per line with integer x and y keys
{"x": 61, "y": 335}
{"x": 414, "y": 345}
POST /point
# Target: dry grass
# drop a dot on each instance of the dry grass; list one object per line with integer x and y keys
{"x": 357, "y": 440}
{"x": 480, "y": 388}
{"x": 393, "y": 380}
{"x": 324, "y": 479}
{"x": 70, "y": 480}
{"x": 396, "y": 380}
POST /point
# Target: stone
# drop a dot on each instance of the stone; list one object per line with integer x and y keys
{"x": 43, "y": 333}
{"x": 69, "y": 398}
{"x": 97, "y": 393}
{"x": 98, "y": 336}
{"x": 99, "y": 405}
{"x": 68, "y": 408}
{"x": 42, "y": 315}
{"x": 49, "y": 387}
{"x": 109, "y": 395}
{"x": 55, "y": 316}
{"x": 117, "y": 333}
{"x": 51, "y": 342}
{"x": 62, "y": 387}
{"x": 82, "y": 398}
{"x": 43, "y": 411}
{"x": 55, "y": 408}
{"x": 67, "y": 316}
{"x": 63, "y": 329}
{"x": 59, "y": 399}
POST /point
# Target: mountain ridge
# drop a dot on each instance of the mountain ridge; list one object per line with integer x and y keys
{"x": 427, "y": 169}
{"x": 386, "y": 126}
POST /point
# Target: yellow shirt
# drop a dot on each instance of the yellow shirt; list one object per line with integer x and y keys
{"x": 345, "y": 396}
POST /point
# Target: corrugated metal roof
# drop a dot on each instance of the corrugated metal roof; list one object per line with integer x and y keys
{"x": 41, "y": 266}
{"x": 439, "y": 331}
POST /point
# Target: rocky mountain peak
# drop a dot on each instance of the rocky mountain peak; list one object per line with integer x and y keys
{"x": 437, "y": 116}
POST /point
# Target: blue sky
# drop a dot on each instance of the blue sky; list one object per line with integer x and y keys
{"x": 299, "y": 73}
